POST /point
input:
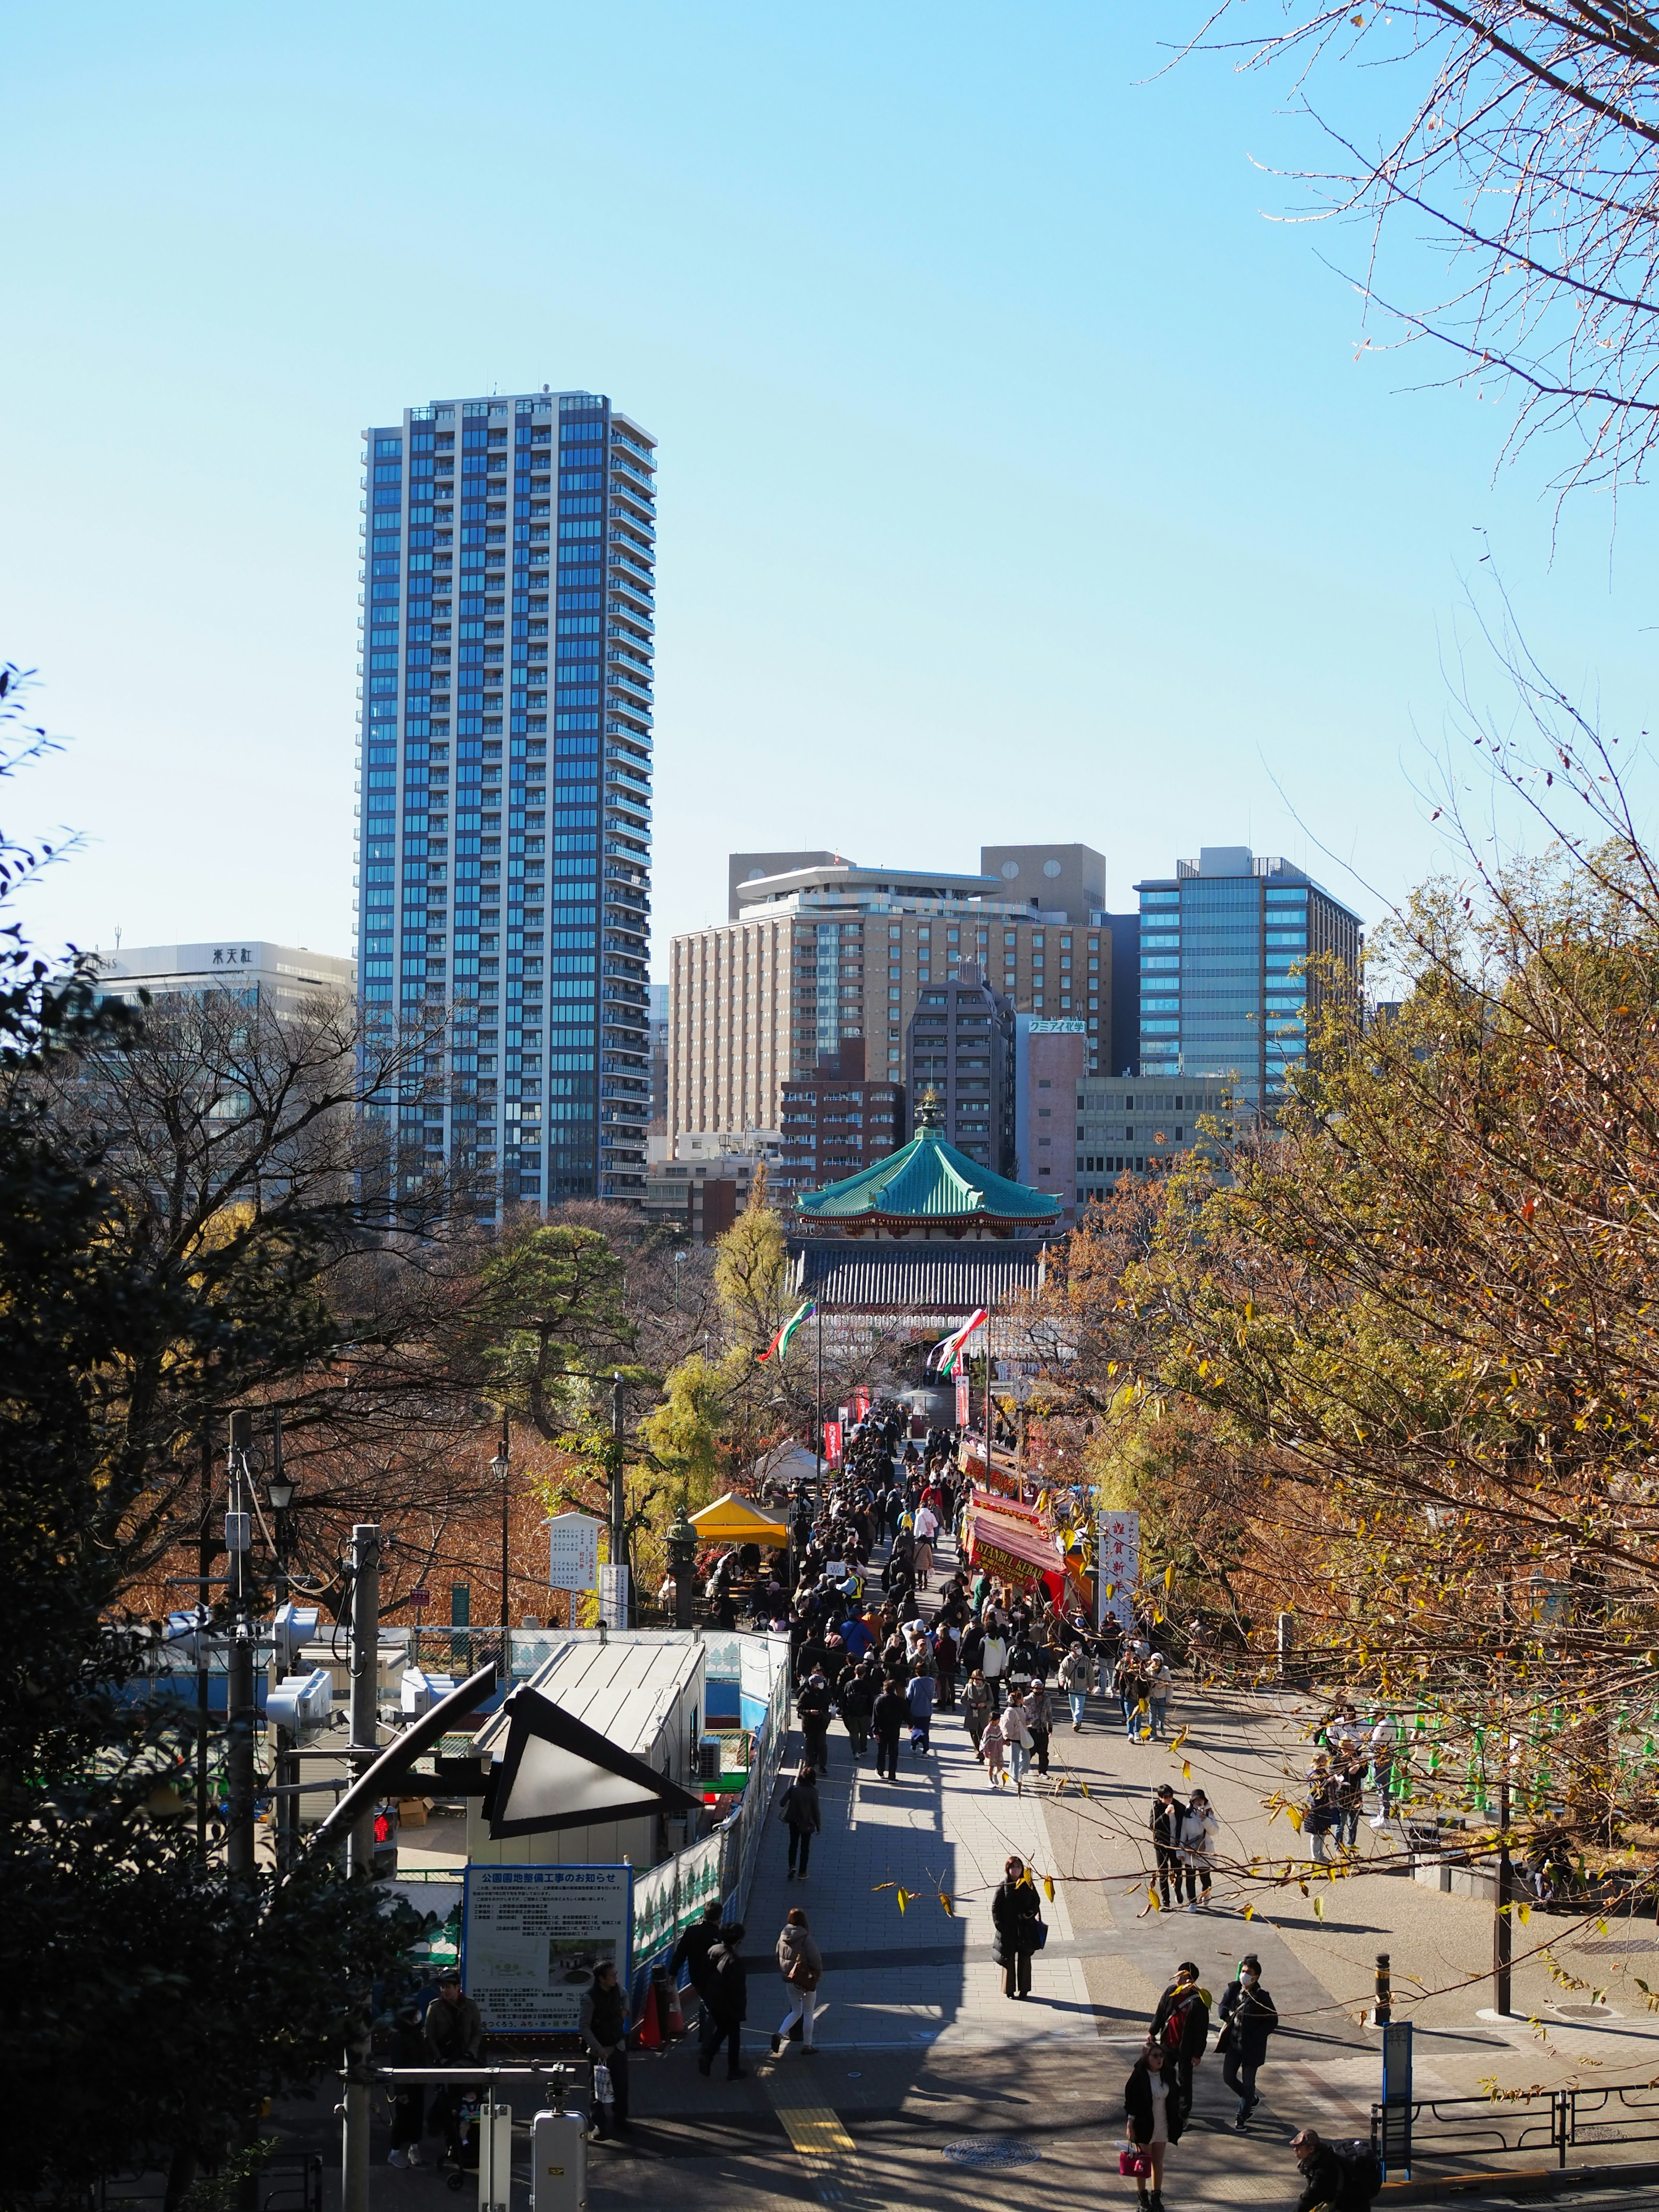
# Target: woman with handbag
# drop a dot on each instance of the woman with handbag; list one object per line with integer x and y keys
{"x": 801, "y": 1964}
{"x": 1156, "y": 2112}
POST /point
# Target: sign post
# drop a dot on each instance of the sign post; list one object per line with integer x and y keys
{"x": 533, "y": 1936}
{"x": 1396, "y": 2145}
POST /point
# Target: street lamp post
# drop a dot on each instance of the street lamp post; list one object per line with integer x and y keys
{"x": 239, "y": 1698}
{"x": 279, "y": 1494}
{"x": 683, "y": 1565}
{"x": 501, "y": 1468}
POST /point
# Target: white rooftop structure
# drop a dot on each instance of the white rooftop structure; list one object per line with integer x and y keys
{"x": 282, "y": 976}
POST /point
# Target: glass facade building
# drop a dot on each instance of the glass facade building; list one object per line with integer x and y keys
{"x": 1221, "y": 944}
{"x": 505, "y": 749}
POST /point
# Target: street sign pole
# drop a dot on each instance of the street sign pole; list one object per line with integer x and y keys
{"x": 1396, "y": 2144}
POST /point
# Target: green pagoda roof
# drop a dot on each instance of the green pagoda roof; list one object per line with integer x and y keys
{"x": 929, "y": 1184}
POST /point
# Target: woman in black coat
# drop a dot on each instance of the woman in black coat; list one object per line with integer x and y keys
{"x": 1016, "y": 1917}
{"x": 1156, "y": 2113}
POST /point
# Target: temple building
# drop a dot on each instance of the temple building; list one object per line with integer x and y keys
{"x": 904, "y": 1251}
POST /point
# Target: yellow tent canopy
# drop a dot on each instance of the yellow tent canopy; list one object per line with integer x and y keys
{"x": 733, "y": 1520}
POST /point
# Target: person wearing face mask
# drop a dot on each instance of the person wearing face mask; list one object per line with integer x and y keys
{"x": 1251, "y": 2017}
{"x": 1155, "y": 2113}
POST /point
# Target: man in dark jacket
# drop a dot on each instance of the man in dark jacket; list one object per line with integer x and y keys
{"x": 890, "y": 1713}
{"x": 454, "y": 2036}
{"x": 812, "y": 1709}
{"x": 603, "y": 2029}
{"x": 1324, "y": 2178}
{"x": 1251, "y": 2016}
{"x": 1167, "y": 1815}
{"x": 726, "y": 2007}
{"x": 857, "y": 1703}
{"x": 1182, "y": 2025}
{"x": 1015, "y": 1917}
{"x": 692, "y": 1950}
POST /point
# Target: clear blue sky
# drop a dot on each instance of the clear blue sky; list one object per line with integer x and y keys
{"x": 1019, "y": 479}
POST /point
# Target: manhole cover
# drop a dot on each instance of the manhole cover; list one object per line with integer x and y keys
{"x": 992, "y": 2150}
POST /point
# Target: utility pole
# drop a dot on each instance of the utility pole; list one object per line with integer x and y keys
{"x": 243, "y": 1708}
{"x": 203, "y": 1571}
{"x": 818, "y": 1404}
{"x": 365, "y": 1650}
{"x": 280, "y": 1492}
{"x": 1502, "y": 1932}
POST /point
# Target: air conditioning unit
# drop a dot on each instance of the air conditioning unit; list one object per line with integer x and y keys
{"x": 708, "y": 1759}
{"x": 303, "y": 1704}
{"x": 423, "y": 1690}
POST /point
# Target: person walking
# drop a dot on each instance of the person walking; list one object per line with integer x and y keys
{"x": 1350, "y": 1772}
{"x": 1319, "y": 1817}
{"x": 993, "y": 1750}
{"x": 728, "y": 2005}
{"x": 1016, "y": 1735}
{"x": 1126, "y": 1682}
{"x": 919, "y": 1696}
{"x": 1182, "y": 2025}
{"x": 994, "y": 1658}
{"x": 406, "y": 2047}
{"x": 1167, "y": 1814}
{"x": 1074, "y": 1681}
{"x": 812, "y": 1709}
{"x": 454, "y": 2031}
{"x": 692, "y": 1951}
{"x": 1251, "y": 2017}
{"x": 1199, "y": 1833}
{"x": 888, "y": 1717}
{"x": 976, "y": 1709}
{"x": 1153, "y": 2110}
{"x": 944, "y": 1658}
{"x": 803, "y": 1816}
{"x": 1383, "y": 1738}
{"x": 856, "y": 1701}
{"x": 1015, "y": 1917}
{"x": 1040, "y": 1720}
{"x": 1154, "y": 1690}
{"x": 603, "y": 2025}
{"x": 801, "y": 1964}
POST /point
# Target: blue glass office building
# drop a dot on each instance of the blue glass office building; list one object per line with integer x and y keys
{"x": 505, "y": 756}
{"x": 1220, "y": 945}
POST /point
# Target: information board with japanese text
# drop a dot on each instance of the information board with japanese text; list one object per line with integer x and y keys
{"x": 572, "y": 1551}
{"x": 1118, "y": 1565}
{"x": 532, "y": 1937}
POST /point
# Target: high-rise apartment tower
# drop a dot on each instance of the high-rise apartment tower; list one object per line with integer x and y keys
{"x": 505, "y": 757}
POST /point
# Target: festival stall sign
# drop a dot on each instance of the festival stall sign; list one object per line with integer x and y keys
{"x": 832, "y": 1433}
{"x": 1020, "y": 1555}
{"x": 1119, "y": 1566}
{"x": 962, "y": 1407}
{"x": 1010, "y": 1507}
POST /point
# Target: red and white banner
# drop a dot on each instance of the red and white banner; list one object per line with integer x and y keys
{"x": 963, "y": 1409}
{"x": 832, "y": 1444}
{"x": 862, "y": 1404}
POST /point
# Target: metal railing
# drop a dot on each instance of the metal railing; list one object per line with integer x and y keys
{"x": 290, "y": 2181}
{"x": 1555, "y": 2120}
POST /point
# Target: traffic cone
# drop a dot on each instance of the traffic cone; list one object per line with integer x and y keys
{"x": 676, "y": 2016}
{"x": 650, "y": 2033}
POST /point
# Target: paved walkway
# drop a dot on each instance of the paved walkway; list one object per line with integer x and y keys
{"x": 932, "y": 2086}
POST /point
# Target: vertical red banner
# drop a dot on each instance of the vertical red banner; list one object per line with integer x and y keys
{"x": 832, "y": 1444}
{"x": 962, "y": 1401}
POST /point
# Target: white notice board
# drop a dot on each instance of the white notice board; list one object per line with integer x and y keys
{"x": 572, "y": 1551}
{"x": 531, "y": 1937}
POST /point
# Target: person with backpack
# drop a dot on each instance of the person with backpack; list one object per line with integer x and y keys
{"x": 803, "y": 1816}
{"x": 1155, "y": 2112}
{"x": 692, "y": 1951}
{"x": 1182, "y": 2025}
{"x": 1345, "y": 2176}
{"x": 1251, "y": 2017}
{"x": 801, "y": 1964}
{"x": 726, "y": 2006}
{"x": 1016, "y": 1917}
